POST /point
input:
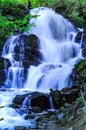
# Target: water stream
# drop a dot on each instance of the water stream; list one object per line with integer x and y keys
{"x": 59, "y": 55}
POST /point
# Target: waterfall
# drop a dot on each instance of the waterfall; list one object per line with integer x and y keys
{"x": 39, "y": 66}
{"x": 59, "y": 53}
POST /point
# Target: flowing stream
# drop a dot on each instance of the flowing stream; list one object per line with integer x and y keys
{"x": 59, "y": 55}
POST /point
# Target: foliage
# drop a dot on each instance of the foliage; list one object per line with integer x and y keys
{"x": 13, "y": 16}
{"x": 24, "y": 2}
{"x": 38, "y": 3}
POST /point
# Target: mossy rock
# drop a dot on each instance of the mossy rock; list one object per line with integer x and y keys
{"x": 33, "y": 41}
{"x": 80, "y": 74}
{"x": 80, "y": 66}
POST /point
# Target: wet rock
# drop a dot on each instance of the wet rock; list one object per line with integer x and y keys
{"x": 40, "y": 100}
{"x": 29, "y": 116}
{"x": 71, "y": 95}
{"x": 84, "y": 46}
{"x": 80, "y": 66}
{"x": 84, "y": 52}
{"x": 13, "y": 105}
{"x": 80, "y": 73}
{"x": 21, "y": 128}
{"x": 27, "y": 50}
{"x": 1, "y": 63}
{"x": 78, "y": 37}
{"x": 33, "y": 41}
{"x": 0, "y": 50}
{"x": 16, "y": 31}
{"x": 57, "y": 98}
{"x": 81, "y": 38}
{"x": 19, "y": 99}
{"x": 36, "y": 109}
{"x": 2, "y": 77}
{"x": 37, "y": 100}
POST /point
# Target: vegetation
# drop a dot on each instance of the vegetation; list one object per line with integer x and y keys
{"x": 13, "y": 13}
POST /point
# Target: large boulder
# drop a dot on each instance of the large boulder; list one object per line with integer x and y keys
{"x": 27, "y": 50}
{"x": 37, "y": 100}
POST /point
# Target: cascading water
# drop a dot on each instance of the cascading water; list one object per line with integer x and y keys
{"x": 58, "y": 49}
{"x": 59, "y": 55}
{"x": 59, "y": 52}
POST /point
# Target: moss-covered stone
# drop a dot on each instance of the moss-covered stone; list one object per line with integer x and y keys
{"x": 80, "y": 73}
{"x": 80, "y": 66}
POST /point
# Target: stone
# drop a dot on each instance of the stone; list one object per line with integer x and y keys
{"x": 19, "y": 99}
{"x": 39, "y": 100}
{"x": 2, "y": 77}
{"x": 36, "y": 109}
{"x": 57, "y": 98}
{"x": 71, "y": 95}
{"x": 21, "y": 128}
{"x": 78, "y": 37}
{"x": 1, "y": 63}
{"x": 84, "y": 45}
{"x": 80, "y": 74}
{"x": 29, "y": 116}
{"x": 30, "y": 54}
{"x": 33, "y": 41}
{"x": 0, "y": 49}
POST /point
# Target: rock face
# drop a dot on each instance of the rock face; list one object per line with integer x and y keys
{"x": 67, "y": 95}
{"x": 2, "y": 77}
{"x": 2, "y": 72}
{"x": 27, "y": 50}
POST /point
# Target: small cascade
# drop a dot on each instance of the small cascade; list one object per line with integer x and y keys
{"x": 81, "y": 41}
{"x": 27, "y": 102}
{"x": 51, "y": 102}
{"x": 15, "y": 74}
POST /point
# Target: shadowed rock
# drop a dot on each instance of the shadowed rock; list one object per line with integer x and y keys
{"x": 37, "y": 100}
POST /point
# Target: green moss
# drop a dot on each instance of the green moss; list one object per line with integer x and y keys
{"x": 80, "y": 66}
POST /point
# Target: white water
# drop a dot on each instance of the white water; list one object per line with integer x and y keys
{"x": 59, "y": 54}
{"x": 51, "y": 102}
